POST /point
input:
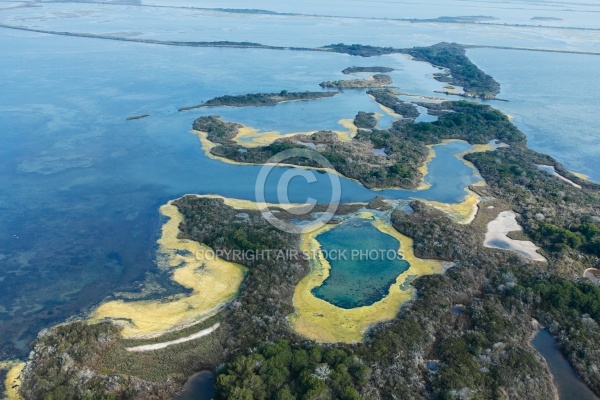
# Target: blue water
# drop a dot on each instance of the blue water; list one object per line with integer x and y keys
{"x": 200, "y": 386}
{"x": 317, "y": 29}
{"x": 80, "y": 186}
{"x": 554, "y": 100}
{"x": 364, "y": 264}
{"x": 566, "y": 380}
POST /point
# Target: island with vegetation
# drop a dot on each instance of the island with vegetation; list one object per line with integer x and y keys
{"x": 374, "y": 69}
{"x": 260, "y": 99}
{"x": 461, "y": 71}
{"x": 140, "y": 116}
{"x": 451, "y": 56}
{"x": 364, "y": 120}
{"x": 464, "y": 332}
{"x": 375, "y": 81}
{"x": 404, "y": 144}
{"x": 388, "y": 99}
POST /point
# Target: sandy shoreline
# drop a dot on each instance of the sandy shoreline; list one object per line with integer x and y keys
{"x": 213, "y": 281}
{"x": 552, "y": 171}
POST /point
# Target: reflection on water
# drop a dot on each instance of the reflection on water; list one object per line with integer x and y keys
{"x": 568, "y": 384}
{"x": 200, "y": 386}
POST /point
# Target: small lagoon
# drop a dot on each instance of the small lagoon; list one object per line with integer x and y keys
{"x": 364, "y": 264}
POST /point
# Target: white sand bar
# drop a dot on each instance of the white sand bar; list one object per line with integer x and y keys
{"x": 593, "y": 275}
{"x": 162, "y": 345}
{"x": 496, "y": 237}
{"x": 550, "y": 169}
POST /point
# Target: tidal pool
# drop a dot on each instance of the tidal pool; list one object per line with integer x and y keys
{"x": 364, "y": 263}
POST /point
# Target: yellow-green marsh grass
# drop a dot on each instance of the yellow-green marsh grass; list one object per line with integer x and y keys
{"x": 213, "y": 282}
{"x": 13, "y": 380}
{"x": 321, "y": 321}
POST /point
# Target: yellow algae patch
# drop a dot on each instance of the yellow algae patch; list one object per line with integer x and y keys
{"x": 13, "y": 380}
{"x": 475, "y": 148}
{"x": 350, "y": 132}
{"x": 580, "y": 175}
{"x": 207, "y": 146}
{"x": 424, "y": 169}
{"x": 250, "y": 137}
{"x": 240, "y": 204}
{"x": 321, "y": 321}
{"x": 213, "y": 281}
{"x": 462, "y": 213}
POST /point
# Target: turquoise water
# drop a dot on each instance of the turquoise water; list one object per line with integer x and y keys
{"x": 358, "y": 279}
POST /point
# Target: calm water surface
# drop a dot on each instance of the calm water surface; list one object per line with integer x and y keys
{"x": 80, "y": 186}
{"x": 568, "y": 384}
{"x": 354, "y": 280}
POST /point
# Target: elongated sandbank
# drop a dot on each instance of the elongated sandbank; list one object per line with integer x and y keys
{"x": 552, "y": 171}
{"x": 593, "y": 274}
{"x": 213, "y": 282}
{"x": 13, "y": 380}
{"x": 321, "y": 321}
{"x": 162, "y": 345}
{"x": 385, "y": 109}
{"x": 496, "y": 237}
{"x": 424, "y": 170}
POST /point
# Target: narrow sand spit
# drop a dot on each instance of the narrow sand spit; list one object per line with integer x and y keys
{"x": 550, "y": 169}
{"x": 496, "y": 237}
{"x": 593, "y": 275}
{"x": 162, "y": 345}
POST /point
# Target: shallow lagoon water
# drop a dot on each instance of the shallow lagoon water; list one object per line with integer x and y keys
{"x": 80, "y": 186}
{"x": 356, "y": 279}
{"x": 553, "y": 98}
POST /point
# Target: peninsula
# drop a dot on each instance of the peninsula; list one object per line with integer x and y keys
{"x": 260, "y": 99}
